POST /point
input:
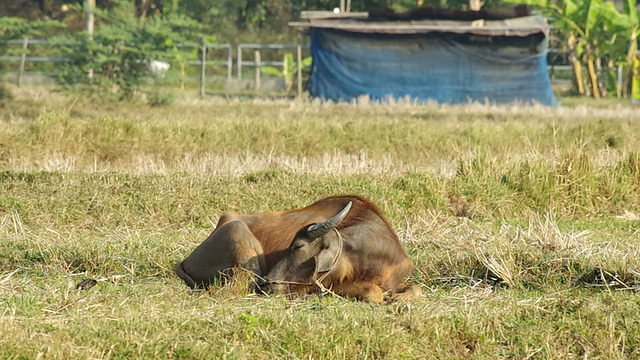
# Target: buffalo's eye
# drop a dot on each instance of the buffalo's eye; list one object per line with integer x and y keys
{"x": 297, "y": 245}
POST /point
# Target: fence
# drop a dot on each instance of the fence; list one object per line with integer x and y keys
{"x": 257, "y": 62}
{"x": 225, "y": 60}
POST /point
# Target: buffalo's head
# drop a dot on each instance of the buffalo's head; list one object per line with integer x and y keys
{"x": 314, "y": 251}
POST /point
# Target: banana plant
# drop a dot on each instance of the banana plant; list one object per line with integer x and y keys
{"x": 591, "y": 28}
{"x": 288, "y": 71}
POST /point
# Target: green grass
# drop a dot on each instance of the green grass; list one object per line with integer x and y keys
{"x": 522, "y": 224}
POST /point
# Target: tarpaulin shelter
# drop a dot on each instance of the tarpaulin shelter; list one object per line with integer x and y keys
{"x": 454, "y": 57}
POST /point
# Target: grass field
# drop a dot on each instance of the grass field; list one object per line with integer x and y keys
{"x": 523, "y": 224}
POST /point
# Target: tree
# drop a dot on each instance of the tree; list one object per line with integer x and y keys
{"x": 592, "y": 29}
{"x": 16, "y": 28}
{"x": 123, "y": 44}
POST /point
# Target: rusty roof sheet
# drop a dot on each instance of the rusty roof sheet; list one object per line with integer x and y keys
{"x": 519, "y": 26}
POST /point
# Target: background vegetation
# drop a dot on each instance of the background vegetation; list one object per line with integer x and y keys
{"x": 598, "y": 38}
{"x": 522, "y": 223}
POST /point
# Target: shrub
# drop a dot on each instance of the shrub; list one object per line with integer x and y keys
{"x": 116, "y": 60}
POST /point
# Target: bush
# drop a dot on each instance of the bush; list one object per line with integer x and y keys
{"x": 122, "y": 47}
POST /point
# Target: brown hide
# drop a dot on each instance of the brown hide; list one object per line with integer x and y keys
{"x": 372, "y": 256}
{"x": 275, "y": 231}
{"x": 371, "y": 261}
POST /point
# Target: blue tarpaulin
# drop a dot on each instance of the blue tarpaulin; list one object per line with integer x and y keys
{"x": 446, "y": 68}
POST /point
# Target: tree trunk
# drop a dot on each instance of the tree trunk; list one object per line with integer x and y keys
{"x": 635, "y": 80}
{"x": 632, "y": 56}
{"x": 602, "y": 84}
{"x": 144, "y": 10}
{"x": 578, "y": 82}
{"x": 591, "y": 69}
{"x": 577, "y": 74}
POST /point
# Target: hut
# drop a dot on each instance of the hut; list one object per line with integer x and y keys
{"x": 447, "y": 56}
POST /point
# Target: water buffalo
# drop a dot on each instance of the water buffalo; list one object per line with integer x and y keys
{"x": 341, "y": 243}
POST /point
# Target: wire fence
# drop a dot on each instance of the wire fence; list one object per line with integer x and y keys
{"x": 22, "y": 58}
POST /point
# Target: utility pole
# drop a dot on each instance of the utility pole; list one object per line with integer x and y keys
{"x": 475, "y": 5}
{"x": 89, "y": 5}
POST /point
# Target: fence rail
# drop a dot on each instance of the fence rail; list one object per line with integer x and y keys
{"x": 257, "y": 63}
{"x": 34, "y": 58}
{"x": 202, "y": 61}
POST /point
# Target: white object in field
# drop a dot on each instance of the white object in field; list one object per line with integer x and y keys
{"x": 158, "y": 68}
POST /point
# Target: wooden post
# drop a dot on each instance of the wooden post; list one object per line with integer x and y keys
{"x": 257, "y": 61}
{"x": 342, "y": 6}
{"x": 475, "y": 5}
{"x": 239, "y": 62}
{"x": 619, "y": 82}
{"x": 183, "y": 74}
{"x": 229, "y": 63}
{"x": 89, "y": 5}
{"x": 23, "y": 59}
{"x": 203, "y": 68}
{"x": 299, "y": 70}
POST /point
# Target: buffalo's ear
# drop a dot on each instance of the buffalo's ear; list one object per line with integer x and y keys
{"x": 328, "y": 256}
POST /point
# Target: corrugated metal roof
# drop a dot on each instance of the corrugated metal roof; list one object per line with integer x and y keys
{"x": 362, "y": 23}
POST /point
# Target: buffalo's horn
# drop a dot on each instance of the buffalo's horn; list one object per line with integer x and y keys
{"x": 317, "y": 230}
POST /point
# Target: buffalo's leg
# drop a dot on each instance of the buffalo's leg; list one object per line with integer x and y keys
{"x": 362, "y": 290}
{"x": 231, "y": 245}
{"x": 368, "y": 291}
{"x": 405, "y": 292}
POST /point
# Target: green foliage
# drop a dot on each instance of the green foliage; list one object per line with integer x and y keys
{"x": 266, "y": 21}
{"x": 597, "y": 25}
{"x": 591, "y": 20}
{"x": 17, "y": 28}
{"x": 123, "y": 45}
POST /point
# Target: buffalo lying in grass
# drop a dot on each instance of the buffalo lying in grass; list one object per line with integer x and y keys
{"x": 341, "y": 243}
